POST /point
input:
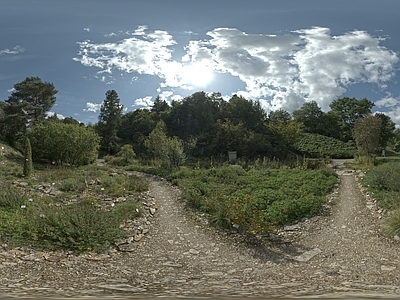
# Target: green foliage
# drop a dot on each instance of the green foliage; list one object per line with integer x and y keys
{"x": 168, "y": 151}
{"x": 28, "y": 166}
{"x": 26, "y": 106}
{"x": 255, "y": 200}
{"x": 347, "y": 111}
{"x": 319, "y": 146}
{"x": 62, "y": 143}
{"x": 392, "y": 223}
{"x": 367, "y": 134}
{"x": 387, "y": 129}
{"x": 11, "y": 197}
{"x": 134, "y": 129}
{"x": 124, "y": 157}
{"x": 109, "y": 121}
{"x": 121, "y": 185}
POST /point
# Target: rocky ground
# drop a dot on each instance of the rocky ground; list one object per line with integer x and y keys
{"x": 341, "y": 253}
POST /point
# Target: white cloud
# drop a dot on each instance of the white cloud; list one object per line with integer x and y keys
{"x": 17, "y": 49}
{"x": 145, "y": 102}
{"x": 282, "y": 71}
{"x": 93, "y": 107}
{"x": 388, "y": 101}
{"x": 391, "y": 105}
{"x": 51, "y": 114}
{"x": 87, "y": 28}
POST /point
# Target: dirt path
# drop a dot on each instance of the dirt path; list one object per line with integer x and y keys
{"x": 336, "y": 255}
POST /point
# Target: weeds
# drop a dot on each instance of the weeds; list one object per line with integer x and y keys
{"x": 256, "y": 200}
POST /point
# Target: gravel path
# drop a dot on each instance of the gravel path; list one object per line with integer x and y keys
{"x": 340, "y": 254}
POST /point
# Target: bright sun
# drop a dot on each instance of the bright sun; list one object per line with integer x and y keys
{"x": 199, "y": 75}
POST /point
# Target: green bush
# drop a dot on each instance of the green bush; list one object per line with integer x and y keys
{"x": 384, "y": 177}
{"x": 392, "y": 223}
{"x": 384, "y": 182}
{"x": 11, "y": 197}
{"x": 61, "y": 143}
{"x": 80, "y": 227}
{"x": 320, "y": 146}
{"x": 255, "y": 200}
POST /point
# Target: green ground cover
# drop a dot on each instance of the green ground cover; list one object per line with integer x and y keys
{"x": 256, "y": 200}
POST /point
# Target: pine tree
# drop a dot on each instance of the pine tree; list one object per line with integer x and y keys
{"x": 28, "y": 166}
{"x": 109, "y": 121}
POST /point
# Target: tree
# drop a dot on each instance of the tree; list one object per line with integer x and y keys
{"x": 109, "y": 121}
{"x": 367, "y": 134}
{"x": 387, "y": 131}
{"x": 27, "y": 106}
{"x": 160, "y": 109}
{"x": 278, "y": 116}
{"x": 169, "y": 151}
{"x": 134, "y": 129}
{"x": 62, "y": 143}
{"x": 248, "y": 112}
{"x": 348, "y": 110}
{"x": 34, "y": 97}
{"x": 311, "y": 115}
{"x": 28, "y": 166}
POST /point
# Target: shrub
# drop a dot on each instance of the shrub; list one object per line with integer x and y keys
{"x": 62, "y": 143}
{"x": 384, "y": 177}
{"x": 392, "y": 223}
{"x": 80, "y": 227}
{"x": 320, "y": 146}
{"x": 11, "y": 197}
{"x": 255, "y": 200}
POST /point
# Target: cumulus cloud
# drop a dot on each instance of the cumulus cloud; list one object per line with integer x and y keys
{"x": 145, "y": 102}
{"x": 93, "y": 107}
{"x": 52, "y": 114}
{"x": 16, "y": 50}
{"x": 390, "y": 106}
{"x": 282, "y": 71}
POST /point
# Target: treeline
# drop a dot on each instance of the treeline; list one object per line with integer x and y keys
{"x": 199, "y": 126}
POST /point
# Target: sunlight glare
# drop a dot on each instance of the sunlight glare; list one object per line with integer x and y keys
{"x": 199, "y": 75}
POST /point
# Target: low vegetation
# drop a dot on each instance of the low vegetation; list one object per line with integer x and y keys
{"x": 255, "y": 200}
{"x": 66, "y": 208}
{"x": 383, "y": 182}
{"x": 320, "y": 146}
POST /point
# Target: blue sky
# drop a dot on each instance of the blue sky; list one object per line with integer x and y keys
{"x": 282, "y": 53}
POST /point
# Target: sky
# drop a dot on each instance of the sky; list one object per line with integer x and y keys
{"x": 281, "y": 53}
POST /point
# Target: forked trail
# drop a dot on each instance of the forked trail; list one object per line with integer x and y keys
{"x": 337, "y": 255}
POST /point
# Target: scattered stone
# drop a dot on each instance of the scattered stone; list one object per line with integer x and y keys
{"x": 172, "y": 264}
{"x": 122, "y": 287}
{"x": 387, "y": 268}
{"x": 193, "y": 251}
{"x": 306, "y": 256}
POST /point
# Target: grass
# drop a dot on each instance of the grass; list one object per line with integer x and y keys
{"x": 75, "y": 219}
{"x": 383, "y": 182}
{"x": 256, "y": 200}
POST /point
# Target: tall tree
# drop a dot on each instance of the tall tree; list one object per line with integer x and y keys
{"x": 387, "y": 130}
{"x": 109, "y": 121}
{"x": 34, "y": 97}
{"x": 160, "y": 109}
{"x": 311, "y": 115}
{"x": 367, "y": 134}
{"x": 348, "y": 110}
{"x": 135, "y": 127}
{"x": 27, "y": 106}
{"x": 278, "y": 116}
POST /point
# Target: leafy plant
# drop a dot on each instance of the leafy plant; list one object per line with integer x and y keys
{"x": 319, "y": 146}
{"x": 255, "y": 200}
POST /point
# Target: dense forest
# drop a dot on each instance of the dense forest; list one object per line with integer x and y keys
{"x": 200, "y": 126}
